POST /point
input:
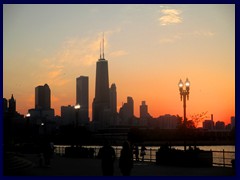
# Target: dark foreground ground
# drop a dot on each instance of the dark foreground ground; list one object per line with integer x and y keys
{"x": 61, "y": 166}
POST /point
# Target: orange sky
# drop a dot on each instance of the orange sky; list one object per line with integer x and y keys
{"x": 148, "y": 48}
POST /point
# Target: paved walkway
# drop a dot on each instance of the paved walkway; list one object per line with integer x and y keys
{"x": 61, "y": 166}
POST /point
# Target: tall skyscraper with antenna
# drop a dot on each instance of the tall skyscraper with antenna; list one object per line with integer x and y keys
{"x": 101, "y": 102}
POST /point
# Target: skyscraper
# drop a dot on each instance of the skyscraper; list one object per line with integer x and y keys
{"x": 12, "y": 105}
{"x": 102, "y": 82}
{"x": 113, "y": 99}
{"x": 126, "y": 111}
{"x": 101, "y": 111}
{"x": 42, "y": 113}
{"x": 68, "y": 115}
{"x": 42, "y": 97}
{"x": 130, "y": 106}
{"x": 144, "y": 115}
{"x": 143, "y": 110}
{"x": 5, "y": 105}
{"x": 82, "y": 97}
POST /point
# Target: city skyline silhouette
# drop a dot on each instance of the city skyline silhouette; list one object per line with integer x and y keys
{"x": 148, "y": 48}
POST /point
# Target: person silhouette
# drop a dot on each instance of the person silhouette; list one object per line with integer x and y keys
{"x": 126, "y": 159}
{"x": 136, "y": 152}
{"x": 143, "y": 153}
{"x": 107, "y": 155}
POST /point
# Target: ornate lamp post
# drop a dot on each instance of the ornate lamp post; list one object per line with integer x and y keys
{"x": 184, "y": 93}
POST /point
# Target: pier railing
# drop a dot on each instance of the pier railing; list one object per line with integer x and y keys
{"x": 220, "y": 158}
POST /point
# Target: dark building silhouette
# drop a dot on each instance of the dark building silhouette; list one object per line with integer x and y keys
{"x": 12, "y": 105}
{"x": 68, "y": 115}
{"x": 126, "y": 111}
{"x": 82, "y": 97}
{"x": 100, "y": 106}
{"x": 219, "y": 125}
{"x": 144, "y": 115}
{"x": 130, "y": 106}
{"x": 5, "y": 105}
{"x": 114, "y": 118}
{"x": 143, "y": 110}
{"x": 232, "y": 122}
{"x": 42, "y": 114}
{"x": 167, "y": 121}
{"x": 113, "y": 99}
{"x": 13, "y": 123}
{"x": 208, "y": 124}
{"x": 42, "y": 97}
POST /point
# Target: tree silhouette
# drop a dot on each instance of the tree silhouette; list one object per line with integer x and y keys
{"x": 190, "y": 124}
{"x": 197, "y": 118}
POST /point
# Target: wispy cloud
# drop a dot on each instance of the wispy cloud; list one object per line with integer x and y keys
{"x": 170, "y": 16}
{"x": 60, "y": 68}
{"x": 75, "y": 50}
{"x": 170, "y": 39}
{"x": 118, "y": 53}
{"x": 53, "y": 74}
{"x": 203, "y": 33}
{"x": 181, "y": 36}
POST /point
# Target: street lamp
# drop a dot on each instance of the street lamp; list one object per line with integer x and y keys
{"x": 183, "y": 94}
{"x": 77, "y": 107}
{"x": 28, "y": 115}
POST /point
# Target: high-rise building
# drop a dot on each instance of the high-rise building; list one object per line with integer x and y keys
{"x": 5, "y": 105}
{"x": 42, "y": 97}
{"x": 232, "y": 121}
{"x": 167, "y": 121}
{"x": 130, "y": 106}
{"x": 68, "y": 115}
{"x": 208, "y": 124}
{"x": 82, "y": 97}
{"x": 126, "y": 111}
{"x": 144, "y": 115}
{"x": 113, "y": 99}
{"x": 102, "y": 82}
{"x": 143, "y": 110}
{"x": 12, "y": 105}
{"x": 42, "y": 111}
{"x": 82, "y": 91}
{"x": 219, "y": 125}
{"x": 101, "y": 106}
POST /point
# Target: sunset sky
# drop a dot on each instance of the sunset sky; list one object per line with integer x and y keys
{"x": 148, "y": 48}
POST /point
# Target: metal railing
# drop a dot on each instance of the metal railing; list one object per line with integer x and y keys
{"x": 220, "y": 158}
{"x": 223, "y": 158}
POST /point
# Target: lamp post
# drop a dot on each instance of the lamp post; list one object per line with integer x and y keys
{"x": 77, "y": 108}
{"x": 184, "y": 93}
{"x": 28, "y": 115}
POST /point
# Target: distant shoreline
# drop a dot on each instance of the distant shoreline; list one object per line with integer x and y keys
{"x": 171, "y": 143}
{"x": 197, "y": 143}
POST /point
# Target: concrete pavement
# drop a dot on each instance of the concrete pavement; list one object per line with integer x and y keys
{"x": 61, "y": 166}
